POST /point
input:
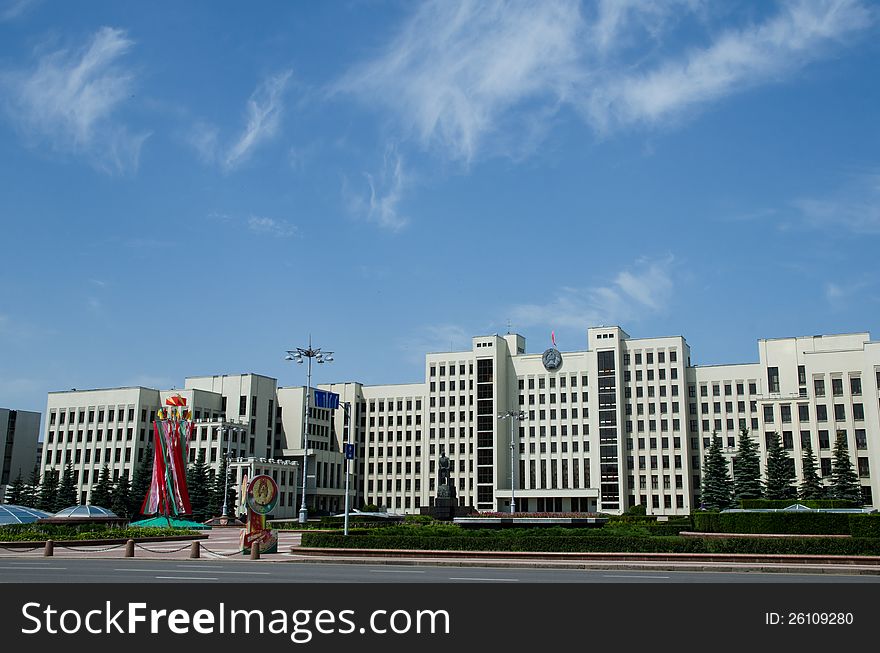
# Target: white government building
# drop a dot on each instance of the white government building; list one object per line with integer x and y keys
{"x": 623, "y": 422}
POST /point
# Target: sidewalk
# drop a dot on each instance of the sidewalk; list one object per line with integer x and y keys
{"x": 799, "y": 564}
{"x": 222, "y": 544}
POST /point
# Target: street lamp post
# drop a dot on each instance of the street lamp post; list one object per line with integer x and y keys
{"x": 224, "y": 431}
{"x": 347, "y": 408}
{"x": 513, "y": 416}
{"x": 321, "y": 357}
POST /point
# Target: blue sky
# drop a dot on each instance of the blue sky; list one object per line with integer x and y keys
{"x": 192, "y": 188}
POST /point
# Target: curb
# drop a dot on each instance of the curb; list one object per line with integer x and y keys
{"x": 734, "y": 558}
{"x": 836, "y": 570}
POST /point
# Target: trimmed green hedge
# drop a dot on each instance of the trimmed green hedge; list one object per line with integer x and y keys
{"x": 779, "y": 504}
{"x": 42, "y": 532}
{"x": 650, "y": 524}
{"x": 562, "y": 543}
{"x": 788, "y": 523}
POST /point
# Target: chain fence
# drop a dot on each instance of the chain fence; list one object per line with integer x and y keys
{"x": 202, "y": 547}
{"x": 89, "y": 549}
{"x": 144, "y": 548}
{"x": 222, "y": 555}
{"x": 20, "y": 549}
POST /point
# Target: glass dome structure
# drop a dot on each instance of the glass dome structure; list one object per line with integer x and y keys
{"x": 80, "y": 512}
{"x": 12, "y": 514}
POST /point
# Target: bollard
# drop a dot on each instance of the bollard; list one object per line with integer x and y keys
{"x": 49, "y": 551}
{"x": 129, "y": 549}
{"x": 194, "y": 549}
{"x": 255, "y": 551}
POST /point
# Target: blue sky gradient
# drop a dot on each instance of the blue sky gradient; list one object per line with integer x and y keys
{"x": 193, "y": 188}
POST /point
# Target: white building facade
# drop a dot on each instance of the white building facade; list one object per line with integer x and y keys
{"x": 625, "y": 421}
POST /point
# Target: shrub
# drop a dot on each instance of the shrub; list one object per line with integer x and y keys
{"x": 864, "y": 525}
{"x": 779, "y": 504}
{"x": 575, "y": 543}
{"x": 772, "y": 523}
{"x": 638, "y": 509}
{"x": 42, "y": 532}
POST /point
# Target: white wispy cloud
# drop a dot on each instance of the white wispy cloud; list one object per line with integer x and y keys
{"x": 271, "y": 227}
{"x": 459, "y": 73}
{"x": 13, "y": 9}
{"x": 855, "y": 207}
{"x": 386, "y": 191}
{"x": 633, "y": 294}
{"x": 380, "y": 203}
{"x": 620, "y": 24}
{"x": 843, "y": 295}
{"x": 456, "y": 68}
{"x": 735, "y": 60}
{"x": 263, "y": 112}
{"x": 71, "y": 99}
{"x": 435, "y": 338}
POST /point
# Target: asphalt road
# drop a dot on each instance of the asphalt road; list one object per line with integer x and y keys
{"x": 207, "y": 571}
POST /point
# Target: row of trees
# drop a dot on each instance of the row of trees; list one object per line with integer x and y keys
{"x": 58, "y": 490}
{"x": 720, "y": 491}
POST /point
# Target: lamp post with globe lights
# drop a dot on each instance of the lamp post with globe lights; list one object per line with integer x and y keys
{"x": 298, "y": 355}
{"x": 513, "y": 416}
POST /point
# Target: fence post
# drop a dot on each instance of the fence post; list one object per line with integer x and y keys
{"x": 129, "y": 549}
{"x": 49, "y": 551}
{"x": 194, "y": 549}
{"x": 255, "y": 551}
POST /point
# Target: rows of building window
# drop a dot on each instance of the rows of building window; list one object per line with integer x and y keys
{"x": 656, "y": 462}
{"x": 648, "y": 358}
{"x": 119, "y": 414}
{"x": 550, "y": 381}
{"x": 837, "y": 386}
{"x": 554, "y": 473}
{"x": 60, "y": 457}
{"x": 839, "y": 412}
{"x": 88, "y": 435}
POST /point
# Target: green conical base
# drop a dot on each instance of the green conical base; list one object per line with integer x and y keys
{"x": 162, "y": 522}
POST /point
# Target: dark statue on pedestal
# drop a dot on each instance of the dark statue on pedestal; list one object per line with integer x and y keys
{"x": 445, "y": 502}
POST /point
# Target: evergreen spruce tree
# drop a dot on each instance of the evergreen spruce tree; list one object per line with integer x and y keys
{"x": 143, "y": 476}
{"x": 717, "y": 491}
{"x": 66, "y": 495}
{"x": 102, "y": 492}
{"x": 199, "y": 488}
{"x": 121, "y": 501}
{"x": 780, "y": 470}
{"x": 844, "y": 481}
{"x": 746, "y": 468}
{"x": 32, "y": 489}
{"x": 48, "y": 491}
{"x": 811, "y": 487}
{"x": 15, "y": 496}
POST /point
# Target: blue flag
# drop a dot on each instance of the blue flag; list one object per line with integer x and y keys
{"x": 324, "y": 399}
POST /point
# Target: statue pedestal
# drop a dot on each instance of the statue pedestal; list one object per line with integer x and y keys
{"x": 444, "y": 508}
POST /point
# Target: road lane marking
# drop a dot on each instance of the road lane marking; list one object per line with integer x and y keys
{"x": 397, "y": 571}
{"x": 509, "y": 580}
{"x": 192, "y": 571}
{"x": 34, "y": 567}
{"x": 631, "y": 576}
{"x": 184, "y": 578}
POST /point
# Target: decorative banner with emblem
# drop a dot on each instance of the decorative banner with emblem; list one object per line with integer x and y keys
{"x": 261, "y": 498}
{"x": 551, "y": 358}
{"x": 167, "y": 494}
